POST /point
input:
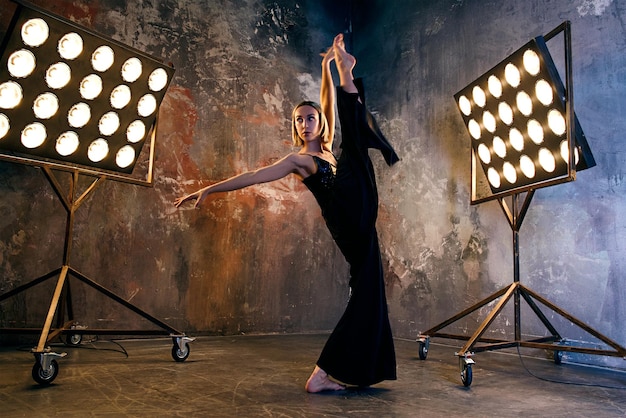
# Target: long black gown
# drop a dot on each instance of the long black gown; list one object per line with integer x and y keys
{"x": 360, "y": 350}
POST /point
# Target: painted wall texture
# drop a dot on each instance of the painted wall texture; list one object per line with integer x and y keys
{"x": 445, "y": 255}
{"x": 261, "y": 260}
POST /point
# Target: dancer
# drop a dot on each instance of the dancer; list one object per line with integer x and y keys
{"x": 360, "y": 350}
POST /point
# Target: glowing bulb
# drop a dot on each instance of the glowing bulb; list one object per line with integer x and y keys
{"x": 505, "y": 112}
{"x": 70, "y": 46}
{"x": 10, "y": 95}
{"x": 4, "y": 125}
{"x": 98, "y": 150}
{"x": 499, "y": 147}
{"x": 489, "y": 121}
{"x": 67, "y": 143}
{"x": 546, "y": 160}
{"x": 512, "y": 75}
{"x": 79, "y": 115}
{"x": 484, "y": 154}
{"x": 90, "y": 87}
{"x": 535, "y": 131}
{"x": 35, "y": 32}
{"x": 58, "y": 75}
{"x": 46, "y": 105}
{"x": 135, "y": 131}
{"x": 479, "y": 96}
{"x": 21, "y": 63}
{"x": 495, "y": 86}
{"x": 131, "y": 70}
{"x": 516, "y": 139}
{"x": 544, "y": 93}
{"x": 33, "y": 135}
{"x": 109, "y": 123}
{"x": 125, "y": 156}
{"x": 556, "y": 122}
{"x": 158, "y": 80}
{"x": 524, "y": 103}
{"x": 509, "y": 172}
{"x": 531, "y": 62}
{"x": 147, "y": 105}
{"x": 527, "y": 166}
{"x": 493, "y": 177}
{"x": 465, "y": 105}
{"x": 120, "y": 96}
{"x": 565, "y": 152}
{"x": 474, "y": 129}
{"x": 102, "y": 58}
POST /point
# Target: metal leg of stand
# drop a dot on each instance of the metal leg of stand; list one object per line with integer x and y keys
{"x": 46, "y": 368}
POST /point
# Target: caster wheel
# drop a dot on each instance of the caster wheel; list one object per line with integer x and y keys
{"x": 179, "y": 354}
{"x": 465, "y": 366}
{"x": 422, "y": 350}
{"x": 73, "y": 339}
{"x": 45, "y": 377}
{"x": 558, "y": 357}
{"x": 466, "y": 375}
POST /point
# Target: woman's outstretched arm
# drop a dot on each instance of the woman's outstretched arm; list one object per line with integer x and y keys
{"x": 291, "y": 163}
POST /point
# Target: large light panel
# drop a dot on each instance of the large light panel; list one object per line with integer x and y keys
{"x": 74, "y": 97}
{"x": 517, "y": 118}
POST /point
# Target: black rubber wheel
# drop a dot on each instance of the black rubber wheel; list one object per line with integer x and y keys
{"x": 422, "y": 350}
{"x": 45, "y": 377}
{"x": 466, "y": 375}
{"x": 179, "y": 354}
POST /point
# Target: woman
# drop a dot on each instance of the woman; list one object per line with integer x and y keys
{"x": 360, "y": 350}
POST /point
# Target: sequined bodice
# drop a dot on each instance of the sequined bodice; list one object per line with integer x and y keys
{"x": 322, "y": 181}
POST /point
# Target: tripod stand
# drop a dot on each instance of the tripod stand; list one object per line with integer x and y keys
{"x": 46, "y": 368}
{"x": 515, "y": 215}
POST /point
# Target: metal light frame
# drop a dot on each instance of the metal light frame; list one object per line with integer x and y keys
{"x": 79, "y": 163}
{"x": 518, "y": 112}
{"x": 514, "y": 200}
{"x": 47, "y": 59}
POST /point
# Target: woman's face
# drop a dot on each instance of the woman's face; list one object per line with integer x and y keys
{"x": 307, "y": 122}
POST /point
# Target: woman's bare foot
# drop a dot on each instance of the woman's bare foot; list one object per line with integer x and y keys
{"x": 345, "y": 63}
{"x": 319, "y": 381}
{"x": 344, "y": 59}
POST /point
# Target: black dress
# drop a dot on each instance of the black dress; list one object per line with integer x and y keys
{"x": 360, "y": 350}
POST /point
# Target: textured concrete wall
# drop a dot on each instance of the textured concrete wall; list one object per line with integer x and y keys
{"x": 258, "y": 260}
{"x": 444, "y": 254}
{"x": 261, "y": 260}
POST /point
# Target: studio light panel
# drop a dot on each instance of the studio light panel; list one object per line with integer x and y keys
{"x": 72, "y": 96}
{"x": 516, "y": 117}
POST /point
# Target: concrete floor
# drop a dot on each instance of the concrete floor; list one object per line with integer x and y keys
{"x": 264, "y": 376}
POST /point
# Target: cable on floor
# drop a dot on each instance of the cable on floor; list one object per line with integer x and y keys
{"x": 546, "y": 379}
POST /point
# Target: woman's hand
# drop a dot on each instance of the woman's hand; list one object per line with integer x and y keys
{"x": 199, "y": 196}
{"x": 328, "y": 56}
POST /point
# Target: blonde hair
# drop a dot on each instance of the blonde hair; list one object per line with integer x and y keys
{"x": 297, "y": 141}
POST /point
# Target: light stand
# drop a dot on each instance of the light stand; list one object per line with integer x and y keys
{"x": 95, "y": 104}
{"x": 527, "y": 159}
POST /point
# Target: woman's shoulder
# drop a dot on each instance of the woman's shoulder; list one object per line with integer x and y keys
{"x": 299, "y": 158}
{"x": 303, "y": 164}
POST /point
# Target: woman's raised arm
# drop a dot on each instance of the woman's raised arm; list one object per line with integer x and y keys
{"x": 327, "y": 96}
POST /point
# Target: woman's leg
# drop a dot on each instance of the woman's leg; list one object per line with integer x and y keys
{"x": 319, "y": 380}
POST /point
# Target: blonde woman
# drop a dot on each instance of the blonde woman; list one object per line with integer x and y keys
{"x": 360, "y": 350}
